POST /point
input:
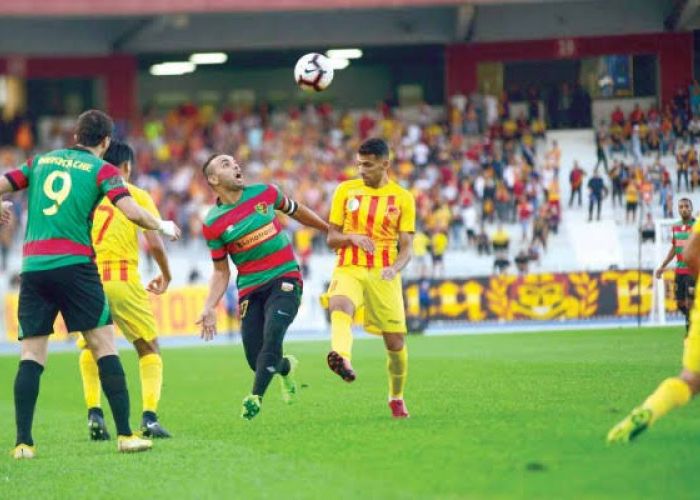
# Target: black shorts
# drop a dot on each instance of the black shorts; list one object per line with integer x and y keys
{"x": 631, "y": 206}
{"x": 75, "y": 291}
{"x": 685, "y": 287}
{"x": 280, "y": 297}
{"x": 437, "y": 259}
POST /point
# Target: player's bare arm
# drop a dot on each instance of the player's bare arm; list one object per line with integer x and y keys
{"x": 691, "y": 254}
{"x": 217, "y": 288}
{"x": 141, "y": 217}
{"x": 309, "y": 218}
{"x": 336, "y": 239}
{"x": 669, "y": 257}
{"x": 5, "y": 206}
{"x": 156, "y": 248}
{"x": 402, "y": 259}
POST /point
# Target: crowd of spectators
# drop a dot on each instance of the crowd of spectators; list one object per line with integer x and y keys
{"x": 474, "y": 168}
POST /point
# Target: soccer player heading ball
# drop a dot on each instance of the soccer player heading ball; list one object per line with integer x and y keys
{"x": 58, "y": 271}
{"x": 372, "y": 222}
{"x": 245, "y": 227}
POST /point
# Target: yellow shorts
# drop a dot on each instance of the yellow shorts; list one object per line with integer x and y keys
{"x": 131, "y": 310}
{"x": 382, "y": 299}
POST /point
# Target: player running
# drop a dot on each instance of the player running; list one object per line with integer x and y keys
{"x": 116, "y": 244}
{"x": 685, "y": 282}
{"x": 244, "y": 227}
{"x": 677, "y": 391}
{"x": 372, "y": 222}
{"x": 58, "y": 272}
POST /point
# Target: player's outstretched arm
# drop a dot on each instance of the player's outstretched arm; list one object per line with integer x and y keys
{"x": 217, "y": 289}
{"x": 403, "y": 258}
{"x": 141, "y": 217}
{"x": 691, "y": 254}
{"x": 156, "y": 248}
{"x": 310, "y": 218}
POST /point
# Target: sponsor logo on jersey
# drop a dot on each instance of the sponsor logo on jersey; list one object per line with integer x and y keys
{"x": 255, "y": 238}
{"x": 261, "y": 208}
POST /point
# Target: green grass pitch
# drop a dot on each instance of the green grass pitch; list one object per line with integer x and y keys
{"x": 493, "y": 416}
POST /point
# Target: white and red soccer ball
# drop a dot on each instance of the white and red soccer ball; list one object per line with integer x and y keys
{"x": 313, "y": 72}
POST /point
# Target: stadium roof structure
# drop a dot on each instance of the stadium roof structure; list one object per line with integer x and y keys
{"x": 98, "y": 27}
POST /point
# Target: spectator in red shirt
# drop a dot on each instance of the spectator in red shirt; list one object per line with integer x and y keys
{"x": 617, "y": 116}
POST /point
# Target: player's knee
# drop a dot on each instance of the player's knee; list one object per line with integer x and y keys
{"x": 682, "y": 307}
{"x": 394, "y": 341}
{"x": 144, "y": 347}
{"x": 342, "y": 304}
{"x": 101, "y": 341}
{"x": 692, "y": 379}
{"x": 269, "y": 360}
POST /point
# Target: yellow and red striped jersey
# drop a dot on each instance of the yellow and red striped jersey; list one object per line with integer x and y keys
{"x": 380, "y": 213}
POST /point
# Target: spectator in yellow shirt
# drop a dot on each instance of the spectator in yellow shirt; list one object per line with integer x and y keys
{"x": 421, "y": 244}
{"x": 438, "y": 245}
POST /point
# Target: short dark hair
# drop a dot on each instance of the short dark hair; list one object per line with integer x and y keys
{"x": 374, "y": 146}
{"x": 690, "y": 202}
{"x": 93, "y": 126}
{"x": 208, "y": 162}
{"x": 118, "y": 153}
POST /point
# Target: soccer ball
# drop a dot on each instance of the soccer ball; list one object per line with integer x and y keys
{"x": 313, "y": 72}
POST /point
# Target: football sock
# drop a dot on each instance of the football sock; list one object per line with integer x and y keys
{"x": 151, "y": 370}
{"x": 671, "y": 393}
{"x": 114, "y": 386}
{"x": 341, "y": 334}
{"x": 91, "y": 379}
{"x": 26, "y": 393}
{"x": 397, "y": 366}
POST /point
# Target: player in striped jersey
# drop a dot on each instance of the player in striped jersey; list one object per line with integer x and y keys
{"x": 372, "y": 222}
{"x": 685, "y": 281}
{"x": 244, "y": 226}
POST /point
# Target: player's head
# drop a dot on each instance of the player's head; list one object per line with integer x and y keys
{"x": 373, "y": 161}
{"x": 223, "y": 172}
{"x": 94, "y": 130}
{"x": 121, "y": 156}
{"x": 685, "y": 208}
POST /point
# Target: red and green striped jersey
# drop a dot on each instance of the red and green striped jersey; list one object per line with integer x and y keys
{"x": 64, "y": 187}
{"x": 680, "y": 235}
{"x": 250, "y": 233}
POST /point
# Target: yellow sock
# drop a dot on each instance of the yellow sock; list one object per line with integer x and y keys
{"x": 341, "y": 334}
{"x": 91, "y": 379}
{"x": 397, "y": 366}
{"x": 151, "y": 369}
{"x": 672, "y": 393}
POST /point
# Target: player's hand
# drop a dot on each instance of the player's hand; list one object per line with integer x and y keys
{"x": 5, "y": 212}
{"x": 363, "y": 242}
{"x": 158, "y": 285}
{"x": 207, "y": 321}
{"x": 659, "y": 273}
{"x": 389, "y": 273}
{"x": 170, "y": 229}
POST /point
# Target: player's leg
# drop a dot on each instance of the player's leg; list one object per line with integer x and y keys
{"x": 346, "y": 295}
{"x": 397, "y": 368}
{"x": 681, "y": 294}
{"x": 252, "y": 324}
{"x": 37, "y": 313}
{"x": 280, "y": 309}
{"x": 131, "y": 310}
{"x": 92, "y": 392}
{"x": 151, "y": 373}
{"x": 385, "y": 311}
{"x": 26, "y": 391}
{"x": 85, "y": 309}
{"x": 672, "y": 393}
